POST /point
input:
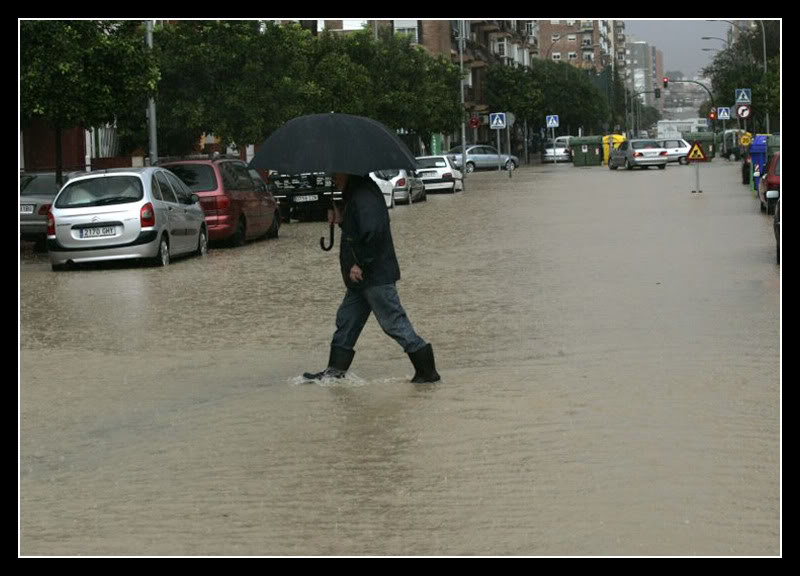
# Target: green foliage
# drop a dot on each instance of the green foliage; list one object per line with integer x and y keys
{"x": 82, "y": 72}
{"x": 742, "y": 66}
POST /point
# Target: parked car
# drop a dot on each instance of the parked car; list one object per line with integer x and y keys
{"x": 439, "y": 173}
{"x": 641, "y": 153}
{"x": 37, "y": 190}
{"x": 306, "y": 196}
{"x": 777, "y": 226}
{"x": 677, "y": 150}
{"x": 387, "y": 189}
{"x": 769, "y": 189}
{"x": 237, "y": 209}
{"x": 558, "y": 150}
{"x": 122, "y": 214}
{"x": 268, "y": 188}
{"x": 483, "y": 157}
{"x": 407, "y": 188}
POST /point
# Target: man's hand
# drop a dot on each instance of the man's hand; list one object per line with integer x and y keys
{"x": 356, "y": 274}
{"x": 334, "y": 216}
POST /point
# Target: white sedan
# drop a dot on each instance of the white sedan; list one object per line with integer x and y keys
{"x": 677, "y": 150}
{"x": 387, "y": 189}
{"x": 439, "y": 173}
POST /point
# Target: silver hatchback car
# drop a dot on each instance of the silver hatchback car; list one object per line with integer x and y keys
{"x": 126, "y": 213}
{"x": 641, "y": 153}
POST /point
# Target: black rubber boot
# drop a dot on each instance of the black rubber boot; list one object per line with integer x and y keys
{"x": 425, "y": 365}
{"x": 338, "y": 363}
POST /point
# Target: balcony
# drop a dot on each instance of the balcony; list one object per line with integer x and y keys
{"x": 488, "y": 25}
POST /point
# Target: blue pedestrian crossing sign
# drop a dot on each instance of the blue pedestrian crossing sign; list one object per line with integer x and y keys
{"x": 552, "y": 121}
{"x": 744, "y": 96}
{"x": 497, "y": 120}
{"x": 723, "y": 113}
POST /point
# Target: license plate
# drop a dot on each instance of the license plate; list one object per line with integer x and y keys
{"x": 99, "y": 232}
{"x": 308, "y": 198}
{"x": 26, "y": 208}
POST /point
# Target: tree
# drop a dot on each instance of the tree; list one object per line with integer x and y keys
{"x": 742, "y": 66}
{"x": 82, "y": 73}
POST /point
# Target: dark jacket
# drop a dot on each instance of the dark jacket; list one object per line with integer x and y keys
{"x": 366, "y": 235}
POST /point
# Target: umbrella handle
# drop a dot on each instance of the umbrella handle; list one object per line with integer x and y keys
{"x": 322, "y": 242}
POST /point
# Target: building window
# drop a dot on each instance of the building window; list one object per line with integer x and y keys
{"x": 556, "y": 56}
{"x": 501, "y": 48}
{"x": 572, "y": 38}
{"x": 407, "y": 28}
{"x": 573, "y": 55}
{"x": 556, "y": 37}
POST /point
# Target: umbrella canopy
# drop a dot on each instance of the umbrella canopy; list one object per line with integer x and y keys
{"x": 333, "y": 143}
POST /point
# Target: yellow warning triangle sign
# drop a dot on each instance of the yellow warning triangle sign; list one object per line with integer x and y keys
{"x": 697, "y": 154}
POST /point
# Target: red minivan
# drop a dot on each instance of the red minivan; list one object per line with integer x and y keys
{"x": 237, "y": 209}
{"x": 770, "y": 185}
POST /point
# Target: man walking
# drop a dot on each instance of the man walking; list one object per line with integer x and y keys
{"x": 370, "y": 271}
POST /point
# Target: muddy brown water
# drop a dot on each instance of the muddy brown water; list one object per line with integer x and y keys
{"x": 610, "y": 353}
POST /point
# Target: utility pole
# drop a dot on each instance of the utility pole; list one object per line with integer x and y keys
{"x": 766, "y": 92}
{"x": 152, "y": 107}
{"x": 461, "y": 31}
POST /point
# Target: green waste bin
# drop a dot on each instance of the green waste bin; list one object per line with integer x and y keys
{"x": 587, "y": 151}
{"x": 706, "y": 139}
{"x": 773, "y": 145}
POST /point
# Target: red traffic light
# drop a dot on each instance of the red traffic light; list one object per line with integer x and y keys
{"x": 666, "y": 82}
{"x": 712, "y": 115}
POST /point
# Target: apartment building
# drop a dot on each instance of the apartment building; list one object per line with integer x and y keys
{"x": 639, "y": 69}
{"x": 585, "y": 44}
{"x": 510, "y": 42}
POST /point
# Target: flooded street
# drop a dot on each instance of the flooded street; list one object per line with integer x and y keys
{"x": 609, "y": 346}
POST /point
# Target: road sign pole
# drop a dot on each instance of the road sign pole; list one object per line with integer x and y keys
{"x": 697, "y": 178}
{"x": 724, "y": 140}
{"x": 508, "y": 149}
{"x": 498, "y": 149}
{"x": 555, "y": 158}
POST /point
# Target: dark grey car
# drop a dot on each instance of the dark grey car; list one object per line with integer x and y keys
{"x": 37, "y": 190}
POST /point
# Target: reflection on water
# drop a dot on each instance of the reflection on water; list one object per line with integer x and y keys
{"x": 609, "y": 350}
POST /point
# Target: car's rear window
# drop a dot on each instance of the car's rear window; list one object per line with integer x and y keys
{"x": 198, "y": 177}
{"x": 102, "y": 191}
{"x": 39, "y": 185}
{"x": 431, "y": 163}
{"x": 645, "y": 144}
{"x": 387, "y": 174}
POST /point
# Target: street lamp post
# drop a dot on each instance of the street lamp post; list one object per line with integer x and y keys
{"x": 152, "y": 106}
{"x": 461, "y": 31}
{"x": 766, "y": 88}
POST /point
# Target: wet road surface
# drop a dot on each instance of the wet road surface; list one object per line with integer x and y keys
{"x": 610, "y": 352}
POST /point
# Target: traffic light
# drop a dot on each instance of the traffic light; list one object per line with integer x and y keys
{"x": 658, "y": 93}
{"x": 666, "y": 83}
{"x": 712, "y": 115}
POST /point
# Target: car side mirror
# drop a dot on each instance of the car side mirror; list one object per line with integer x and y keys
{"x": 195, "y": 199}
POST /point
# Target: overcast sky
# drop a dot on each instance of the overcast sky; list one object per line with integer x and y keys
{"x": 680, "y": 41}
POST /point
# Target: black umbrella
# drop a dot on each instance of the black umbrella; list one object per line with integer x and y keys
{"x": 333, "y": 143}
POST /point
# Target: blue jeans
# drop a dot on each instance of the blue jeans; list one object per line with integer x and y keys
{"x": 384, "y": 302}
